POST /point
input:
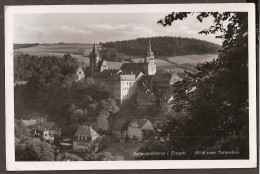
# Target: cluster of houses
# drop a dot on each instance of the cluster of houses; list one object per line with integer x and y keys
{"x": 40, "y": 127}
{"x": 133, "y": 78}
{"x": 141, "y": 79}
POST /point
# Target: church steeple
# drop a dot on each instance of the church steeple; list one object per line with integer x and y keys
{"x": 149, "y": 60}
{"x": 94, "y": 60}
{"x": 149, "y": 54}
{"x": 94, "y": 50}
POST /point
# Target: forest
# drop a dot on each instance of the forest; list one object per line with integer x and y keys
{"x": 52, "y": 89}
{"x": 216, "y": 111}
{"x": 163, "y": 46}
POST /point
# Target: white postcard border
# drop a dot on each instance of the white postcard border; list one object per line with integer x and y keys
{"x": 12, "y": 165}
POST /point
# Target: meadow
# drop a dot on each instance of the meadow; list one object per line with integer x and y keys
{"x": 177, "y": 63}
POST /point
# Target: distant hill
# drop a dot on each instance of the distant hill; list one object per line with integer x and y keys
{"x": 163, "y": 46}
{"x": 18, "y": 46}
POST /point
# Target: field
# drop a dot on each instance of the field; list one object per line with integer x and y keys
{"x": 177, "y": 63}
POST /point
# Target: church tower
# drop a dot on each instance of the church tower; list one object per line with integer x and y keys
{"x": 149, "y": 59}
{"x": 94, "y": 60}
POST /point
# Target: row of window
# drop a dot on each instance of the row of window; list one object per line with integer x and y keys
{"x": 84, "y": 137}
{"x": 123, "y": 83}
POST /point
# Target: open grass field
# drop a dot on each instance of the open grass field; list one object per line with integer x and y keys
{"x": 177, "y": 63}
{"x": 192, "y": 59}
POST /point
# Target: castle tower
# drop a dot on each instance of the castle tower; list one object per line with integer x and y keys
{"x": 149, "y": 54}
{"x": 94, "y": 60}
{"x": 149, "y": 59}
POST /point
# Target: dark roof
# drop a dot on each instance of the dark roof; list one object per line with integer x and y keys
{"x": 106, "y": 73}
{"x": 94, "y": 50}
{"x": 165, "y": 78}
{"x": 140, "y": 122}
{"x": 168, "y": 93}
{"x": 134, "y": 68}
{"x": 181, "y": 74}
{"x": 161, "y": 78}
{"x": 145, "y": 79}
{"x": 44, "y": 126}
{"x": 145, "y": 95}
{"x": 85, "y": 130}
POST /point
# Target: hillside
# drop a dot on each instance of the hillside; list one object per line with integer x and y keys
{"x": 164, "y": 46}
{"x": 173, "y": 63}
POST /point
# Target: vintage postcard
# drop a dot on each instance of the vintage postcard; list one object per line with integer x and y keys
{"x": 153, "y": 86}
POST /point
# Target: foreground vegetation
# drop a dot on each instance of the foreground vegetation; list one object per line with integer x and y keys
{"x": 217, "y": 114}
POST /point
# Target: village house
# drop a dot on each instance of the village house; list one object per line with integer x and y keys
{"x": 167, "y": 96}
{"x": 146, "y": 98}
{"x": 29, "y": 122}
{"x": 83, "y": 137}
{"x": 47, "y": 130}
{"x": 137, "y": 126}
{"x": 162, "y": 81}
{"x": 80, "y": 73}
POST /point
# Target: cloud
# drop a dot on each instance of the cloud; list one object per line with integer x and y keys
{"x": 87, "y": 28}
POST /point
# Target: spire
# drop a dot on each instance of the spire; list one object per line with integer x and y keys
{"x": 149, "y": 49}
{"x": 149, "y": 46}
{"x": 94, "y": 50}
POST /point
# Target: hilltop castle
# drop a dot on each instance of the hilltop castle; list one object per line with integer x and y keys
{"x": 120, "y": 83}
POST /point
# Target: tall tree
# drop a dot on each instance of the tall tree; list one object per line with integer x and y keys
{"x": 34, "y": 150}
{"x": 217, "y": 107}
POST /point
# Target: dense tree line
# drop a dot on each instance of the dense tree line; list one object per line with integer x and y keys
{"x": 217, "y": 116}
{"x": 47, "y": 68}
{"x": 163, "y": 46}
{"x": 52, "y": 89}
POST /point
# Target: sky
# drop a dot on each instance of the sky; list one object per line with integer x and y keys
{"x": 102, "y": 27}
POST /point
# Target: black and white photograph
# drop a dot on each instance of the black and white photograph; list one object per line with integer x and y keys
{"x": 130, "y": 86}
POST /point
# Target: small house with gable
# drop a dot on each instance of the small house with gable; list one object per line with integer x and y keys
{"x": 80, "y": 73}
{"x": 136, "y": 127}
{"x": 83, "y": 137}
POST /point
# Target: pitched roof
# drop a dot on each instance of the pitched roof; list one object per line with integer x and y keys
{"x": 145, "y": 79}
{"x": 85, "y": 130}
{"x": 140, "y": 122}
{"x": 44, "y": 126}
{"x": 181, "y": 74}
{"x": 94, "y": 50}
{"x": 165, "y": 78}
{"x": 107, "y": 73}
{"x": 168, "y": 93}
{"x": 134, "y": 68}
{"x": 161, "y": 78}
{"x": 79, "y": 69}
{"x": 29, "y": 122}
